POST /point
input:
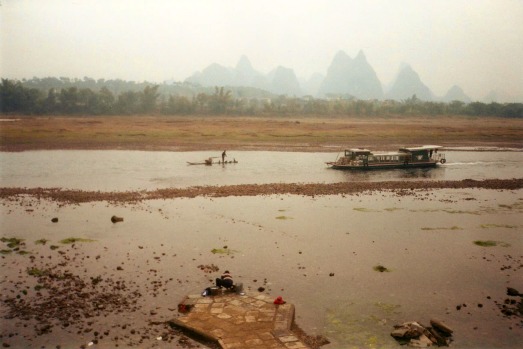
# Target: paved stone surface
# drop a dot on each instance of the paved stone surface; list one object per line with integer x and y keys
{"x": 240, "y": 321}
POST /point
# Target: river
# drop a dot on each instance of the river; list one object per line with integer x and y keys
{"x": 319, "y": 253}
{"x": 115, "y": 170}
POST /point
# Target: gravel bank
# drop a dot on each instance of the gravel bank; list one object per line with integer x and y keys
{"x": 402, "y": 188}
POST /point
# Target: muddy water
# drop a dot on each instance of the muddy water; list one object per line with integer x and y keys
{"x": 132, "y": 170}
{"x": 292, "y": 245}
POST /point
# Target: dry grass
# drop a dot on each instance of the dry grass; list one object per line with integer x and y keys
{"x": 253, "y": 133}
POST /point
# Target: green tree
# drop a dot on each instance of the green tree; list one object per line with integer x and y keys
{"x": 106, "y": 100}
{"x": 220, "y": 101}
{"x": 148, "y": 98}
{"x": 128, "y": 103}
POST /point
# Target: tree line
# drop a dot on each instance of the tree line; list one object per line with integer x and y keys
{"x": 17, "y": 97}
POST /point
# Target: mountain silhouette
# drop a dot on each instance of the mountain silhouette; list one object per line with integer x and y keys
{"x": 355, "y": 77}
{"x": 279, "y": 81}
{"x": 407, "y": 84}
{"x": 345, "y": 76}
{"x": 455, "y": 93}
{"x": 283, "y": 81}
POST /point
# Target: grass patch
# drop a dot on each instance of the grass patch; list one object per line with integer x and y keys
{"x": 4, "y": 252}
{"x": 41, "y": 241}
{"x": 75, "y": 240}
{"x": 490, "y": 243}
{"x": 380, "y": 268}
{"x": 392, "y": 209}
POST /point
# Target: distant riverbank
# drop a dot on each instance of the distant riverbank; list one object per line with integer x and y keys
{"x": 290, "y": 133}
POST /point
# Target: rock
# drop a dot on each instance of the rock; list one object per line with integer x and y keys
{"x": 440, "y": 326}
{"x": 440, "y": 340}
{"x": 399, "y": 332}
{"x": 116, "y": 219}
{"x": 422, "y": 342}
{"x": 513, "y": 292}
{"x": 416, "y": 335}
{"x": 54, "y": 220}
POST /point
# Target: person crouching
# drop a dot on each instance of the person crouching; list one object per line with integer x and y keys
{"x": 225, "y": 280}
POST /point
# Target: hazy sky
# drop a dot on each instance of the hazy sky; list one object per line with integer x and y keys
{"x": 476, "y": 44}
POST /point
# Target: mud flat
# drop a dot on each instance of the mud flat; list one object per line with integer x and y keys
{"x": 382, "y": 256}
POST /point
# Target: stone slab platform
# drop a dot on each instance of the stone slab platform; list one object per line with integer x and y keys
{"x": 239, "y": 321}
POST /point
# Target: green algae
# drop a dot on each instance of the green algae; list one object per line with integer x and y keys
{"x": 490, "y": 243}
{"x": 14, "y": 245}
{"x": 363, "y": 328}
{"x": 387, "y": 308}
{"x": 487, "y": 226}
{"x": 283, "y": 217}
{"x": 443, "y": 228}
{"x": 37, "y": 272}
{"x": 364, "y": 209}
{"x": 41, "y": 241}
{"x": 75, "y": 240}
{"x": 476, "y": 213}
{"x": 12, "y": 242}
{"x": 380, "y": 268}
{"x": 224, "y": 250}
{"x": 392, "y": 209}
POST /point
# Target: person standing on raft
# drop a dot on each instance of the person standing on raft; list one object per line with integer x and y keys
{"x": 224, "y": 154}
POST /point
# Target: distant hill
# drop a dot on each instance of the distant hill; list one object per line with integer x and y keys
{"x": 283, "y": 81}
{"x": 455, "y": 93}
{"x": 312, "y": 86}
{"x": 279, "y": 81}
{"x": 355, "y": 77}
{"x": 407, "y": 84}
{"x": 346, "y": 77}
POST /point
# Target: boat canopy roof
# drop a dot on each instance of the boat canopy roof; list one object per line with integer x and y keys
{"x": 359, "y": 151}
{"x": 421, "y": 148}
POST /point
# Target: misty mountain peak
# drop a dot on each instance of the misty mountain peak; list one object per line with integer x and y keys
{"x": 341, "y": 58}
{"x": 244, "y": 64}
{"x": 455, "y": 93}
{"x": 346, "y": 76}
{"x": 407, "y": 84}
{"x": 361, "y": 57}
{"x": 284, "y": 81}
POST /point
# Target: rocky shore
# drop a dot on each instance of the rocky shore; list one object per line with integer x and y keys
{"x": 67, "y": 196}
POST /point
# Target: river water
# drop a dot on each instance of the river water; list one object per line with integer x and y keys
{"x": 318, "y": 253}
{"x": 115, "y": 170}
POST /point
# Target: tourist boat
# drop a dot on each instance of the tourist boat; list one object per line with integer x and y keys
{"x": 411, "y": 157}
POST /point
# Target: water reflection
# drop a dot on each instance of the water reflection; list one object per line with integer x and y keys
{"x": 394, "y": 174}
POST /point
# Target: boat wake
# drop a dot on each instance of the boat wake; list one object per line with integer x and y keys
{"x": 479, "y": 148}
{"x": 474, "y": 163}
